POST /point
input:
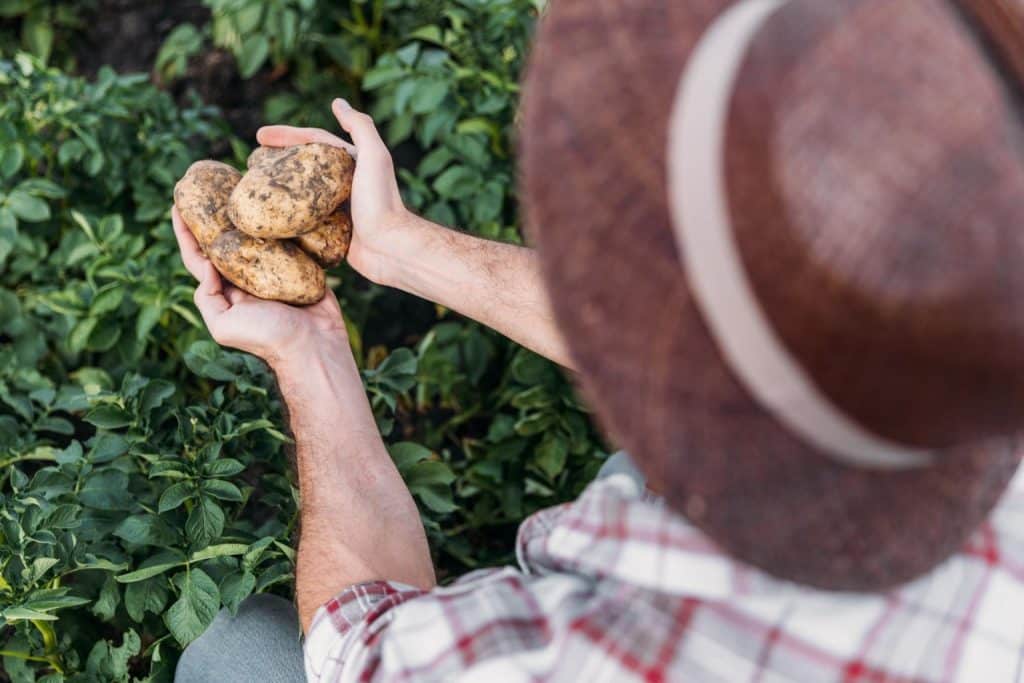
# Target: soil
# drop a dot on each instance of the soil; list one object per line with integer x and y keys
{"x": 127, "y": 34}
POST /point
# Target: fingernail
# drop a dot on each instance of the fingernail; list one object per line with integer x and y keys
{"x": 339, "y": 102}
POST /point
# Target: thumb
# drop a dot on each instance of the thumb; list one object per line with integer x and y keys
{"x": 361, "y": 127}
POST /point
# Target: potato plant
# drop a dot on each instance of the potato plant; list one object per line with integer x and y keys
{"x": 145, "y": 480}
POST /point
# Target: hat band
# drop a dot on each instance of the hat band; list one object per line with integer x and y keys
{"x": 713, "y": 264}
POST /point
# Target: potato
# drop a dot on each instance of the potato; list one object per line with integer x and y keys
{"x": 202, "y": 198}
{"x": 290, "y": 193}
{"x": 263, "y": 154}
{"x": 328, "y": 244}
{"x": 269, "y": 269}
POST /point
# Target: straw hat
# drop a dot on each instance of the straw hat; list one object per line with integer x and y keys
{"x": 784, "y": 242}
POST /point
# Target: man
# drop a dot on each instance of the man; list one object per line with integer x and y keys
{"x": 792, "y": 295}
{"x": 359, "y": 522}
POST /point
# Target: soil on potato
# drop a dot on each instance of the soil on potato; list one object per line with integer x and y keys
{"x": 127, "y": 35}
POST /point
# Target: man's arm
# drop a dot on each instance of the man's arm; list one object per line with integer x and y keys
{"x": 358, "y": 521}
{"x": 498, "y": 285}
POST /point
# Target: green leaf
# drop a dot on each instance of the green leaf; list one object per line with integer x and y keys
{"x": 8, "y": 228}
{"x": 11, "y": 158}
{"x": 253, "y": 53}
{"x": 457, "y": 182}
{"x": 38, "y": 36}
{"x": 155, "y": 393}
{"x": 225, "y": 490}
{"x": 195, "y": 609}
{"x": 106, "y": 489}
{"x": 224, "y": 467}
{"x": 149, "y": 316}
{"x": 255, "y": 552}
{"x": 551, "y": 456}
{"x": 79, "y": 336}
{"x": 380, "y": 76}
{"x": 153, "y": 565}
{"x": 57, "y": 425}
{"x": 206, "y": 359}
{"x": 145, "y": 596}
{"x": 104, "y": 337}
{"x": 53, "y": 599}
{"x": 175, "y": 495}
{"x": 40, "y": 566}
{"x": 108, "y": 600}
{"x": 42, "y": 187}
{"x": 106, "y": 301}
{"x": 433, "y": 162}
{"x": 205, "y": 523}
{"x": 146, "y": 529}
{"x": 236, "y": 587}
{"x": 220, "y": 550}
{"x": 64, "y": 516}
{"x": 431, "y": 34}
{"x": 106, "y": 447}
{"x": 534, "y": 424}
{"x": 71, "y": 454}
{"x": 12, "y": 614}
{"x": 406, "y": 454}
{"x": 27, "y": 207}
{"x": 431, "y": 482}
{"x": 71, "y": 150}
{"x": 109, "y": 663}
{"x": 108, "y": 416}
{"x": 428, "y": 96}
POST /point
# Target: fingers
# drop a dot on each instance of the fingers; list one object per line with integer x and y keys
{"x": 209, "y": 297}
{"x": 361, "y": 127}
{"x": 283, "y": 136}
{"x": 191, "y": 255}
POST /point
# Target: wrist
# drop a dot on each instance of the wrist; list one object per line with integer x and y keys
{"x": 310, "y": 352}
{"x": 388, "y": 259}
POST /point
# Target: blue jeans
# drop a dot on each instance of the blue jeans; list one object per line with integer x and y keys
{"x": 262, "y": 642}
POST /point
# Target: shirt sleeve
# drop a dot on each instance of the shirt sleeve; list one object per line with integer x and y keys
{"x": 344, "y": 626}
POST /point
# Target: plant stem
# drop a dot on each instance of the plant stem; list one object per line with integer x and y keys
{"x": 26, "y": 456}
{"x": 23, "y": 655}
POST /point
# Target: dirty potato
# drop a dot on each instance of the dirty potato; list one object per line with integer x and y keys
{"x": 290, "y": 193}
{"x": 269, "y": 269}
{"x": 263, "y": 154}
{"x": 328, "y": 243}
{"x": 202, "y": 199}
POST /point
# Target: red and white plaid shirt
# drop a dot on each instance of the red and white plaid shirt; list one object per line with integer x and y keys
{"x": 615, "y": 587}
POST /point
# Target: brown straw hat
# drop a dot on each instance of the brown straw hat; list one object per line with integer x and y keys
{"x": 784, "y": 242}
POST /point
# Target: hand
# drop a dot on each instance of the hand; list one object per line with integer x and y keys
{"x": 378, "y": 213}
{"x": 269, "y": 329}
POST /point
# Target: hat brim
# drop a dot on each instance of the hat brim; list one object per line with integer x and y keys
{"x": 597, "y": 103}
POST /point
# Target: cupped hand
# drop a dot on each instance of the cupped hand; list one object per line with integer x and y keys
{"x": 377, "y": 207}
{"x": 269, "y": 329}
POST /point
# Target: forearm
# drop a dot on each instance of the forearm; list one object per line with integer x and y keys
{"x": 358, "y": 520}
{"x": 496, "y": 284}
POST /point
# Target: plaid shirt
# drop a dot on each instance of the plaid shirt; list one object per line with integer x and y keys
{"x": 614, "y": 587}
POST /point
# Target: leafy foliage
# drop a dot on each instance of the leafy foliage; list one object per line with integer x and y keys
{"x": 144, "y": 475}
{"x": 42, "y": 26}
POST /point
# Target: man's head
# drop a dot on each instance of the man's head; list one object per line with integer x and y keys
{"x": 782, "y": 242}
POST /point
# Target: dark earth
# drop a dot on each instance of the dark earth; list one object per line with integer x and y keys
{"x": 127, "y": 34}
